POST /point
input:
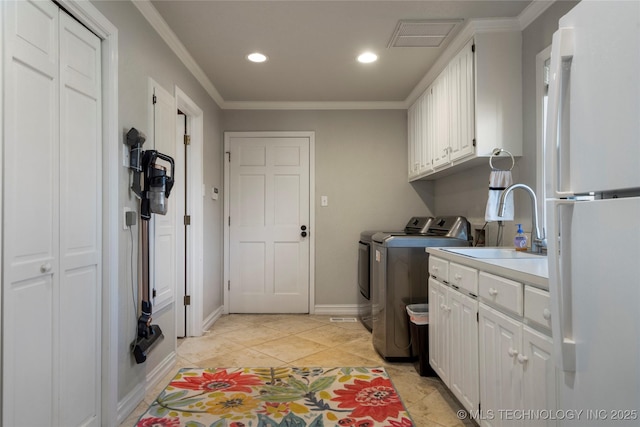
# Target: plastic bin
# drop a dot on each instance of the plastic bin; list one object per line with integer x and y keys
{"x": 418, "y": 313}
{"x": 419, "y": 330}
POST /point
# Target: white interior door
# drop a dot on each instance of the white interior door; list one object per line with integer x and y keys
{"x": 268, "y": 224}
{"x": 52, "y": 224}
{"x": 163, "y": 273}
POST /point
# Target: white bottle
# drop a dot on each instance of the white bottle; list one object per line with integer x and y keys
{"x": 520, "y": 241}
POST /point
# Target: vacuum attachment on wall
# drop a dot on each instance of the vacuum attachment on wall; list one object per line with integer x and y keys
{"x": 153, "y": 194}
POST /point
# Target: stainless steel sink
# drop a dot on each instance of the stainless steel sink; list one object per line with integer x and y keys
{"x": 493, "y": 253}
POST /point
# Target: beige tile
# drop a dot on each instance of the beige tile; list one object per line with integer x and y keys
{"x": 254, "y": 335}
{"x": 331, "y": 336}
{"x": 290, "y": 348}
{"x": 244, "y": 358}
{"x": 435, "y": 407}
{"x": 293, "y": 324}
{"x": 194, "y": 349}
{"x": 334, "y": 357}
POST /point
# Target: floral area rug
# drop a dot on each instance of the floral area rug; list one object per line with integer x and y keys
{"x": 278, "y": 397}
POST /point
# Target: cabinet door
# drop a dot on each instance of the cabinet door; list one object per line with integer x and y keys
{"x": 464, "y": 374}
{"x": 412, "y": 118}
{"x": 439, "y": 329}
{"x": 422, "y": 131}
{"x": 461, "y": 103}
{"x": 539, "y": 375}
{"x": 500, "y": 373}
{"x": 441, "y": 124}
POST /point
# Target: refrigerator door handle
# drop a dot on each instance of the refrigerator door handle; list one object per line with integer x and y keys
{"x": 557, "y": 147}
{"x": 560, "y": 285}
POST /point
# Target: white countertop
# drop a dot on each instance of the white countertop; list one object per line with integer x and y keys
{"x": 532, "y": 271}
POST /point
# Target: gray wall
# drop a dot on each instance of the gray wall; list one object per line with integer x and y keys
{"x": 143, "y": 54}
{"x": 465, "y": 193}
{"x": 361, "y": 165}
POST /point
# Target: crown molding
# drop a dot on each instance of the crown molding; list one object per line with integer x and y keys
{"x": 533, "y": 11}
{"x": 297, "y": 105}
{"x": 152, "y": 15}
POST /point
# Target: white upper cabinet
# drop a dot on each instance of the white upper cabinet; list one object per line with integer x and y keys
{"x": 473, "y": 106}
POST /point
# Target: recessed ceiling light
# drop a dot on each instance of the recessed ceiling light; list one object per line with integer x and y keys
{"x": 367, "y": 57}
{"x": 256, "y": 57}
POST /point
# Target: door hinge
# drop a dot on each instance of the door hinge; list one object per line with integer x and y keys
{"x": 187, "y": 140}
{"x": 228, "y": 285}
{"x": 154, "y": 99}
{"x": 478, "y": 317}
{"x": 153, "y": 293}
{"x": 473, "y": 47}
{"x": 229, "y": 221}
{"x": 187, "y": 300}
{"x": 474, "y": 142}
{"x": 187, "y": 220}
{"x": 229, "y": 154}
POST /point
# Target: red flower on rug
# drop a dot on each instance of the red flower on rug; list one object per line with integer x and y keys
{"x": 376, "y": 399}
{"x": 219, "y": 380}
{"x": 159, "y": 422}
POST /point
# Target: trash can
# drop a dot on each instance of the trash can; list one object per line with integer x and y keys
{"x": 419, "y": 329}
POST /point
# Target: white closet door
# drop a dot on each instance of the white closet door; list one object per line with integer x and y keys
{"x": 52, "y": 225}
{"x": 31, "y": 212}
{"x": 80, "y": 225}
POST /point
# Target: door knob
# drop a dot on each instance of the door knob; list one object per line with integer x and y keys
{"x": 45, "y": 268}
{"x": 303, "y": 234}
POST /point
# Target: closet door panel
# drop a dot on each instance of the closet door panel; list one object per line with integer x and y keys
{"x": 80, "y": 227}
{"x": 31, "y": 218}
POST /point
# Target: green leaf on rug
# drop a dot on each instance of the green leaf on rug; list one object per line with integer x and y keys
{"x": 321, "y": 384}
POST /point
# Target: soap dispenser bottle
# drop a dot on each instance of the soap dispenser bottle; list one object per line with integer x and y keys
{"x": 520, "y": 241}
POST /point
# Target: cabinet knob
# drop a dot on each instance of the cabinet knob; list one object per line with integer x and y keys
{"x": 493, "y": 292}
{"x": 522, "y": 359}
{"x": 512, "y": 352}
{"x": 45, "y": 268}
{"x": 546, "y": 314}
{"x": 458, "y": 276}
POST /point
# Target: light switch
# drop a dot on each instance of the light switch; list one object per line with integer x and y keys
{"x": 324, "y": 200}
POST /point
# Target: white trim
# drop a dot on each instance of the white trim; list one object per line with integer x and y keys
{"x": 312, "y": 206}
{"x": 87, "y": 14}
{"x": 195, "y": 280}
{"x": 355, "y": 105}
{"x": 152, "y": 15}
{"x": 131, "y": 401}
{"x": 336, "y": 309}
{"x": 533, "y": 11}
{"x": 211, "y": 319}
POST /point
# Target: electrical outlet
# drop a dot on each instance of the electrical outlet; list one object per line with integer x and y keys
{"x": 324, "y": 200}
{"x": 129, "y": 218}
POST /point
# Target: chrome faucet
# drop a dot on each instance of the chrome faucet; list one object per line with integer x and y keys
{"x": 539, "y": 243}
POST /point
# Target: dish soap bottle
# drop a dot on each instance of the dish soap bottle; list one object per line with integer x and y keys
{"x": 520, "y": 241}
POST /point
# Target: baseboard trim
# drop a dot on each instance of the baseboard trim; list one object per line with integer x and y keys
{"x": 211, "y": 319}
{"x": 336, "y": 309}
{"x": 131, "y": 401}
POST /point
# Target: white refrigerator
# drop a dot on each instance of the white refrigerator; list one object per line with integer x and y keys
{"x": 593, "y": 212}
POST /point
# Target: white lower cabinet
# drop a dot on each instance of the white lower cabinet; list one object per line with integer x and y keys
{"x": 517, "y": 372}
{"x": 493, "y": 351}
{"x": 453, "y": 341}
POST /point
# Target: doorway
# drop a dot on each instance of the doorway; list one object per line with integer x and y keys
{"x": 189, "y": 196}
{"x": 269, "y": 230}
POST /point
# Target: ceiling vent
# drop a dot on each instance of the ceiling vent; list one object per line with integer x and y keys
{"x": 429, "y": 33}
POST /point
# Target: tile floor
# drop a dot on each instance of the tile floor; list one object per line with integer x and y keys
{"x": 301, "y": 340}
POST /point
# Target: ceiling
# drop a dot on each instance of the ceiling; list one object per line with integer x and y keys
{"x": 312, "y": 46}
